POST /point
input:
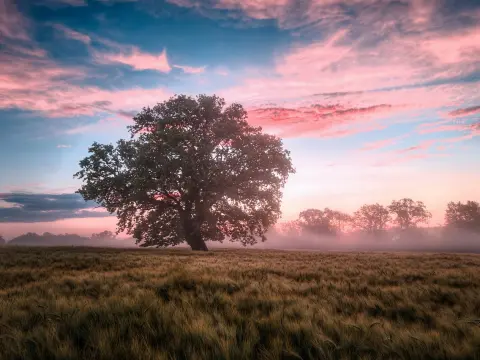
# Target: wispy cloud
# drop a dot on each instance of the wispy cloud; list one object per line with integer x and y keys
{"x": 136, "y": 59}
{"x": 380, "y": 144}
{"x": 409, "y": 55}
{"x": 448, "y": 126}
{"x": 72, "y": 34}
{"x": 222, "y": 71}
{"x": 25, "y": 207}
{"x": 190, "y": 69}
{"x": 42, "y": 85}
{"x": 13, "y": 25}
{"x": 465, "y": 111}
{"x": 330, "y": 66}
{"x": 38, "y": 83}
{"x": 381, "y": 16}
{"x": 57, "y": 3}
{"x": 126, "y": 54}
{"x": 400, "y": 75}
{"x": 63, "y": 146}
{"x": 320, "y": 119}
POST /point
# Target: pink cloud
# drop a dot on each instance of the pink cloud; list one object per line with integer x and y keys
{"x": 72, "y": 34}
{"x": 324, "y": 120}
{"x": 424, "y": 145}
{"x": 472, "y": 130}
{"x": 126, "y": 54}
{"x": 451, "y": 127}
{"x": 42, "y": 85}
{"x": 469, "y": 136}
{"x": 375, "y": 145}
{"x": 30, "y": 50}
{"x": 361, "y": 78}
{"x": 455, "y": 48}
{"x": 74, "y": 2}
{"x": 407, "y": 158}
{"x": 465, "y": 111}
{"x": 329, "y": 66}
{"x": 190, "y": 69}
{"x": 341, "y": 65}
{"x": 284, "y": 12}
{"x": 54, "y": 3}
{"x": 37, "y": 83}
{"x": 222, "y": 71}
{"x": 13, "y": 25}
{"x": 312, "y": 15}
{"x": 135, "y": 58}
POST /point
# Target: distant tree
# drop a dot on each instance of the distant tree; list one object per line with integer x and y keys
{"x": 290, "y": 228}
{"x": 372, "y": 219}
{"x": 341, "y": 221}
{"x": 323, "y": 222}
{"x": 104, "y": 235}
{"x": 463, "y": 216}
{"x": 407, "y": 214}
{"x": 193, "y": 171}
{"x": 2, "y": 241}
{"x": 49, "y": 239}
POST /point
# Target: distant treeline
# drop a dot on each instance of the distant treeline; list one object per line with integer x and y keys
{"x": 400, "y": 226}
{"x": 104, "y": 239}
{"x": 375, "y": 219}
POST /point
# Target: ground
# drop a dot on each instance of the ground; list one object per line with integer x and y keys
{"x": 85, "y": 303}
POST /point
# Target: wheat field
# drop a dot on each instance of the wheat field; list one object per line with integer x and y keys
{"x": 86, "y": 303}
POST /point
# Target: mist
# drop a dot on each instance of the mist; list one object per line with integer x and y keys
{"x": 420, "y": 239}
{"x": 425, "y": 240}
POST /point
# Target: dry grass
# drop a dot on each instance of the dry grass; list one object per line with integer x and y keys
{"x": 82, "y": 303}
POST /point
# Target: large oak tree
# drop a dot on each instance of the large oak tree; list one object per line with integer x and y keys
{"x": 194, "y": 170}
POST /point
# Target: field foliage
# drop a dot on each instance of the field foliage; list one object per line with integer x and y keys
{"x": 86, "y": 303}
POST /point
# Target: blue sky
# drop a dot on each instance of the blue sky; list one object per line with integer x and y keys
{"x": 376, "y": 100}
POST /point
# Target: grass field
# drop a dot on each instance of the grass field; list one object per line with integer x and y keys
{"x": 85, "y": 303}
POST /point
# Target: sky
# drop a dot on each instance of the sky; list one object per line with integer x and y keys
{"x": 377, "y": 100}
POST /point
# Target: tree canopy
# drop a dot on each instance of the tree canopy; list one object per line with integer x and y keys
{"x": 326, "y": 222}
{"x": 104, "y": 235}
{"x": 408, "y": 213}
{"x": 463, "y": 216}
{"x": 372, "y": 218}
{"x": 193, "y": 170}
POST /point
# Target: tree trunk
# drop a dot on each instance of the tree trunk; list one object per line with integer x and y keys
{"x": 192, "y": 220}
{"x": 196, "y": 242}
{"x": 193, "y": 235}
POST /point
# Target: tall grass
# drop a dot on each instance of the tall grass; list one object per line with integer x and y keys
{"x": 85, "y": 303}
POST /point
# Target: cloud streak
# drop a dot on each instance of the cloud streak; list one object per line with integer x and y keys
{"x": 23, "y": 207}
{"x": 72, "y": 34}
{"x": 190, "y": 69}
{"x": 324, "y": 120}
{"x": 465, "y": 111}
{"x": 380, "y": 144}
{"x": 136, "y": 59}
{"x": 13, "y": 25}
